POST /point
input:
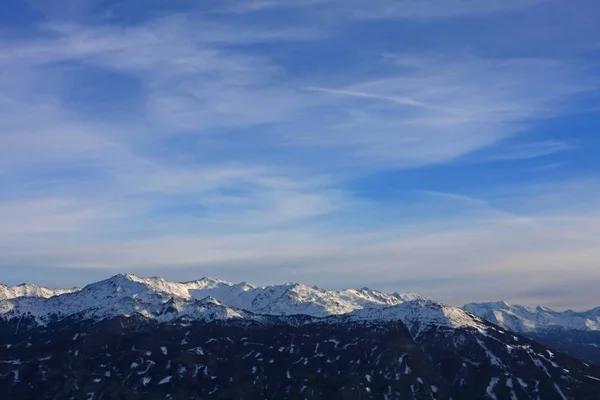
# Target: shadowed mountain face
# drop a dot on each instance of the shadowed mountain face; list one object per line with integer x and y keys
{"x": 584, "y": 345}
{"x": 280, "y": 357}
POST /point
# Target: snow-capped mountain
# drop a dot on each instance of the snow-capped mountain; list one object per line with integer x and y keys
{"x": 420, "y": 315}
{"x": 575, "y": 333}
{"x": 127, "y": 294}
{"x": 134, "y": 338}
{"x": 210, "y": 299}
{"x": 524, "y": 319}
{"x": 289, "y": 298}
{"x": 208, "y": 309}
{"x": 25, "y": 289}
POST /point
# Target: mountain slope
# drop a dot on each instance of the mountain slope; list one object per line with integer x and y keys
{"x": 575, "y": 333}
{"x": 337, "y": 357}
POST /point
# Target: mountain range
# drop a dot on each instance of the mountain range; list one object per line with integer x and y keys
{"x": 211, "y": 338}
{"x": 575, "y": 333}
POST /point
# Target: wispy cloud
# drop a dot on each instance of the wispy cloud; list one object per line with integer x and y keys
{"x": 427, "y": 110}
{"x": 405, "y": 101}
{"x": 381, "y": 9}
{"x": 533, "y": 150}
{"x": 435, "y": 110}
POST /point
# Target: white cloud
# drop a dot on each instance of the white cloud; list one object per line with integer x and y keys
{"x": 430, "y": 110}
{"x": 435, "y": 110}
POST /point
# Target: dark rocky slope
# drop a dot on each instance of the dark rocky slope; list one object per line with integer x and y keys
{"x": 280, "y": 358}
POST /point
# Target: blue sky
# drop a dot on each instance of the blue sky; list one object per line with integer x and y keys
{"x": 447, "y": 147}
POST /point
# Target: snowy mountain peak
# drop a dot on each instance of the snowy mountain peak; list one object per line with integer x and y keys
{"x": 206, "y": 281}
{"x": 126, "y": 294}
{"x": 420, "y": 315}
{"x": 527, "y": 319}
{"x": 408, "y": 296}
{"x": 544, "y": 309}
{"x": 210, "y": 301}
{"x": 122, "y": 278}
{"x": 501, "y": 304}
{"x": 29, "y": 290}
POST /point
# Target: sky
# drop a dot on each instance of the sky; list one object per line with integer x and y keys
{"x": 445, "y": 147}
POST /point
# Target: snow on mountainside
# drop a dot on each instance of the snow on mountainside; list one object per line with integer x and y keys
{"x": 420, "y": 315}
{"x": 208, "y": 309}
{"x": 209, "y": 299}
{"x": 526, "y": 319}
{"x": 289, "y": 333}
{"x": 126, "y": 294}
{"x": 10, "y": 292}
{"x": 292, "y": 298}
{"x": 121, "y": 295}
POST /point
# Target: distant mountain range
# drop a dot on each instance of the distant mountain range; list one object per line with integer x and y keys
{"x": 576, "y": 333}
{"x": 125, "y": 294}
{"x": 215, "y": 339}
{"x": 25, "y": 289}
{"x": 526, "y": 319}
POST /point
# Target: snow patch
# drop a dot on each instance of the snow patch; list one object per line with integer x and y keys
{"x": 490, "y": 389}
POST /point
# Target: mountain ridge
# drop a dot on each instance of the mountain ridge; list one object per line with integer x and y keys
{"x": 191, "y": 340}
{"x": 302, "y": 299}
{"x": 128, "y": 293}
{"x": 31, "y": 290}
{"x": 524, "y": 319}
